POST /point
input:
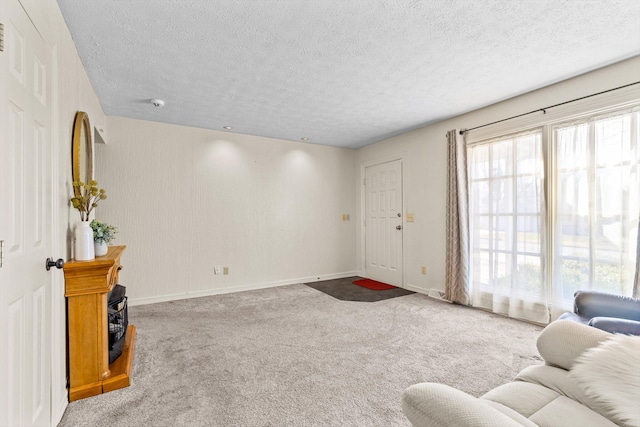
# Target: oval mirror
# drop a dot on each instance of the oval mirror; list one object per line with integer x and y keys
{"x": 82, "y": 149}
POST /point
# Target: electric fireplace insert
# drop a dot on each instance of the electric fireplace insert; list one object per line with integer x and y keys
{"x": 118, "y": 321}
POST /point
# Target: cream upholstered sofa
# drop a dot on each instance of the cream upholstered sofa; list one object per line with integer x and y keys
{"x": 590, "y": 378}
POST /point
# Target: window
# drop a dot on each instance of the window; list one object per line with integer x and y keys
{"x": 528, "y": 254}
{"x": 506, "y": 222}
{"x": 598, "y": 192}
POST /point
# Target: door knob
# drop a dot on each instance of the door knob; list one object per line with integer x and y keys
{"x": 398, "y": 227}
{"x": 51, "y": 263}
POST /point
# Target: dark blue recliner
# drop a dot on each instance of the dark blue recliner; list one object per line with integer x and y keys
{"x": 611, "y": 313}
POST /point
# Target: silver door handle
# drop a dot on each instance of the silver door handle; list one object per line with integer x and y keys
{"x": 398, "y": 227}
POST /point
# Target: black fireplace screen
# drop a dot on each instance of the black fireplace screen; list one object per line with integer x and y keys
{"x": 118, "y": 321}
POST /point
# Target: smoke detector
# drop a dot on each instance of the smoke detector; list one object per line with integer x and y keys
{"x": 158, "y": 103}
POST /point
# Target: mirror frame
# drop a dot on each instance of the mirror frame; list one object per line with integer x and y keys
{"x": 82, "y": 150}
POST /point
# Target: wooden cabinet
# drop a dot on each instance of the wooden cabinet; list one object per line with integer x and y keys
{"x": 87, "y": 285}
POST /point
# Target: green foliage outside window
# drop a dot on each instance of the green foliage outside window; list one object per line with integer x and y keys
{"x": 575, "y": 276}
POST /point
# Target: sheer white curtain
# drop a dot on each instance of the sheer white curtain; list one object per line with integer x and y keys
{"x": 506, "y": 178}
{"x": 591, "y": 217}
{"x": 636, "y": 281}
{"x": 598, "y": 203}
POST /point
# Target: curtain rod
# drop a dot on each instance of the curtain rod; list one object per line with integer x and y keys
{"x": 544, "y": 110}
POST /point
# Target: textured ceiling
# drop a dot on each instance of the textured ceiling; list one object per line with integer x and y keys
{"x": 345, "y": 73}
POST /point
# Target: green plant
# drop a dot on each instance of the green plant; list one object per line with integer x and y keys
{"x": 87, "y": 197}
{"x": 103, "y": 232}
{"x": 607, "y": 277}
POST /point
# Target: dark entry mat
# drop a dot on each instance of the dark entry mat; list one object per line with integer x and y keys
{"x": 345, "y": 290}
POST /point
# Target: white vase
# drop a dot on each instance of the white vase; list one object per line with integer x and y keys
{"x": 83, "y": 249}
{"x": 101, "y": 248}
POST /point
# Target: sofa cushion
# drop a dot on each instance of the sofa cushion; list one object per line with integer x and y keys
{"x": 438, "y": 405}
{"x": 562, "y": 341}
{"x": 592, "y": 304}
{"x": 610, "y": 376}
{"x": 615, "y": 325}
{"x": 566, "y": 412}
{"x": 555, "y": 379}
{"x": 576, "y": 318}
{"x": 520, "y": 419}
{"x": 544, "y": 406}
{"x": 524, "y": 398}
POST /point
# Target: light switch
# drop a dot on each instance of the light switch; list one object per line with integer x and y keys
{"x": 410, "y": 217}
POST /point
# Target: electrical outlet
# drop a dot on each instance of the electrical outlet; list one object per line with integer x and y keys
{"x": 424, "y": 269}
{"x": 225, "y": 270}
{"x": 217, "y": 269}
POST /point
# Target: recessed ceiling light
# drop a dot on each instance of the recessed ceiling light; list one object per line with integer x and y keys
{"x": 227, "y": 127}
{"x": 304, "y": 138}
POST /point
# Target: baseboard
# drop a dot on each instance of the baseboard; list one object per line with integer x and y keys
{"x": 415, "y": 288}
{"x": 436, "y": 294}
{"x": 57, "y": 410}
{"x": 433, "y": 293}
{"x": 439, "y": 295}
{"x": 231, "y": 289}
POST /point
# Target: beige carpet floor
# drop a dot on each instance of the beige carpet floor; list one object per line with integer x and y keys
{"x": 294, "y": 356}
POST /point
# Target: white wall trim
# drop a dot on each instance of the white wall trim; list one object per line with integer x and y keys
{"x": 40, "y": 22}
{"x": 381, "y": 160}
{"x": 363, "y": 195}
{"x": 416, "y": 288}
{"x": 431, "y": 293}
{"x": 59, "y": 391}
{"x": 58, "y": 408}
{"x": 231, "y": 289}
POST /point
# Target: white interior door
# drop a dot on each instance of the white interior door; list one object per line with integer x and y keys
{"x": 25, "y": 220}
{"x": 383, "y": 222}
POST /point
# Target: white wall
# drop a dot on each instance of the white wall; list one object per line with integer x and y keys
{"x": 75, "y": 93}
{"x": 424, "y": 152}
{"x": 186, "y": 199}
